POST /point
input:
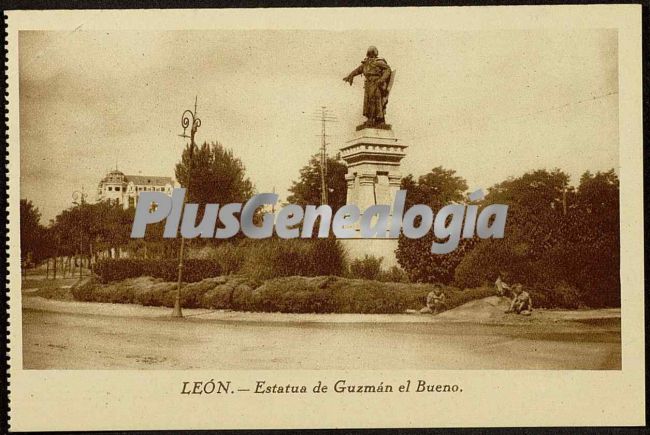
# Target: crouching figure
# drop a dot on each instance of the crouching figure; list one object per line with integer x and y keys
{"x": 521, "y": 302}
{"x": 435, "y": 301}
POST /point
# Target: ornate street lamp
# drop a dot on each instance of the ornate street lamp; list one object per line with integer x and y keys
{"x": 189, "y": 119}
{"x": 79, "y": 197}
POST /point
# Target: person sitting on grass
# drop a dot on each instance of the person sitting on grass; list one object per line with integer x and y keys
{"x": 503, "y": 289}
{"x": 521, "y": 303}
{"x": 435, "y": 301}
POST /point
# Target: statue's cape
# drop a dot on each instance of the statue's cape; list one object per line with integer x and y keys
{"x": 391, "y": 80}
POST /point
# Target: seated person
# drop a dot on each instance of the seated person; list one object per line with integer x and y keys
{"x": 503, "y": 289}
{"x": 435, "y": 301}
{"x": 521, "y": 303}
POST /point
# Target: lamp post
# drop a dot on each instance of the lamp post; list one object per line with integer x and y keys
{"x": 79, "y": 199}
{"x": 189, "y": 119}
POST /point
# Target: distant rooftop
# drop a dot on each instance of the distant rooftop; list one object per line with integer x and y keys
{"x": 140, "y": 180}
{"x": 148, "y": 180}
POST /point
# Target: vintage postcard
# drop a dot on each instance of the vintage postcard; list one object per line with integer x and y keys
{"x": 325, "y": 218}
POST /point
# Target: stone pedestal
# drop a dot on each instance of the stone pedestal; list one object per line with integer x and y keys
{"x": 380, "y": 248}
{"x": 373, "y": 159}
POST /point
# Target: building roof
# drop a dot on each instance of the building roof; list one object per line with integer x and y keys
{"x": 113, "y": 176}
{"x": 148, "y": 180}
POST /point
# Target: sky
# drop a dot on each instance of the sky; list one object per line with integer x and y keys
{"x": 488, "y": 104}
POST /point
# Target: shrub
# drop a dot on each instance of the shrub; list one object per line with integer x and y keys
{"x": 483, "y": 264}
{"x": 331, "y": 294}
{"x": 394, "y": 274}
{"x": 415, "y": 257}
{"x": 552, "y": 278}
{"x": 368, "y": 267}
{"x": 562, "y": 295}
{"x": 83, "y": 291}
{"x": 221, "y": 295}
{"x": 271, "y": 258}
{"x": 230, "y": 257}
{"x": 120, "y": 269}
{"x": 295, "y": 294}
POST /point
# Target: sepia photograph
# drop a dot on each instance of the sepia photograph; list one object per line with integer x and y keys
{"x": 319, "y": 198}
{"x": 528, "y": 117}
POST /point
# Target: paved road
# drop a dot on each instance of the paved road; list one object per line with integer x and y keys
{"x": 83, "y": 340}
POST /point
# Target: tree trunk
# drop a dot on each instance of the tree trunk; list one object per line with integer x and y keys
{"x": 90, "y": 256}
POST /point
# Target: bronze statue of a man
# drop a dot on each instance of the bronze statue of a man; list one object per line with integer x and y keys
{"x": 377, "y": 87}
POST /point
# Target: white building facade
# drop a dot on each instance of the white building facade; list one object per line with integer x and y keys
{"x": 125, "y": 189}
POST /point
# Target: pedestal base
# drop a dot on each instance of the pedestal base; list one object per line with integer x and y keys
{"x": 373, "y": 159}
{"x": 357, "y": 248}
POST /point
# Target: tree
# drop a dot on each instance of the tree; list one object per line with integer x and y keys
{"x": 435, "y": 189}
{"x": 86, "y": 229}
{"x": 33, "y": 248}
{"x": 217, "y": 176}
{"x": 105, "y": 226}
{"x": 307, "y": 190}
{"x": 535, "y": 224}
{"x": 560, "y": 241}
{"x": 593, "y": 253}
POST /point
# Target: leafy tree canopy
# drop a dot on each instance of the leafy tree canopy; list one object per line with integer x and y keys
{"x": 32, "y": 233}
{"x": 216, "y": 176}
{"x": 436, "y": 189}
{"x": 307, "y": 190}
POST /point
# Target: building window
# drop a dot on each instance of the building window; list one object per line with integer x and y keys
{"x": 110, "y": 189}
{"x": 117, "y": 188}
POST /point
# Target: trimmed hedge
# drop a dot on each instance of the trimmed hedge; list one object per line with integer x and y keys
{"x": 295, "y": 294}
{"x": 193, "y": 269}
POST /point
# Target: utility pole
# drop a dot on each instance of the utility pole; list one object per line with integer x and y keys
{"x": 79, "y": 199}
{"x": 188, "y": 119}
{"x": 273, "y": 205}
{"x": 324, "y": 116}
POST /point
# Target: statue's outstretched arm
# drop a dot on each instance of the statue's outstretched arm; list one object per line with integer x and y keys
{"x": 350, "y": 77}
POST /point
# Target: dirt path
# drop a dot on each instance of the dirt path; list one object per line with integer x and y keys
{"x": 73, "y": 335}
